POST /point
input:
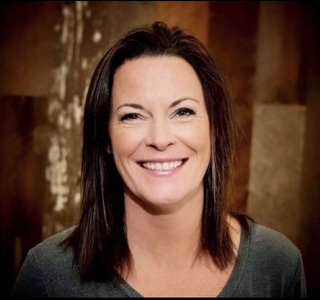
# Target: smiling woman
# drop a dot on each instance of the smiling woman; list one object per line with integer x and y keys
{"x": 157, "y": 213}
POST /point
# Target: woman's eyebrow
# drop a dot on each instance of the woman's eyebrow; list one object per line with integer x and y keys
{"x": 133, "y": 105}
{"x": 175, "y": 103}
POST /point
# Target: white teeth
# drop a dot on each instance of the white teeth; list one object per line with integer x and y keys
{"x": 163, "y": 166}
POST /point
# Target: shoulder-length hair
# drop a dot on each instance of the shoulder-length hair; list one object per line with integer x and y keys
{"x": 99, "y": 240}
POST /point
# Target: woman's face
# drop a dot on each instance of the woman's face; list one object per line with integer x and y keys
{"x": 159, "y": 130}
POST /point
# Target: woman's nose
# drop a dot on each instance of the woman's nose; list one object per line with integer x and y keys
{"x": 160, "y": 135}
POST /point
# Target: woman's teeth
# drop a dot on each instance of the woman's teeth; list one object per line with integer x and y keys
{"x": 166, "y": 166}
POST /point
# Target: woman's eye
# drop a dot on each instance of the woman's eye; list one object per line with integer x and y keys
{"x": 185, "y": 112}
{"x": 130, "y": 117}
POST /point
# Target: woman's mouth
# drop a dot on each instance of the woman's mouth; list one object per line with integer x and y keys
{"x": 163, "y": 166}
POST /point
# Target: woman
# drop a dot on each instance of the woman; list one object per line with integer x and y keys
{"x": 157, "y": 216}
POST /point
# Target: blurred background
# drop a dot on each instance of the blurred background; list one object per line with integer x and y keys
{"x": 269, "y": 51}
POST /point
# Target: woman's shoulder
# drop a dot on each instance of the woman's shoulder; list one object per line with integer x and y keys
{"x": 50, "y": 248}
{"x": 269, "y": 264}
{"x": 270, "y": 237}
{"x": 269, "y": 244}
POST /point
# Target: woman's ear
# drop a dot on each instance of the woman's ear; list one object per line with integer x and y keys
{"x": 109, "y": 149}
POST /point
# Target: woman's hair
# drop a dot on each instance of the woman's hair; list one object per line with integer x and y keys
{"x": 99, "y": 240}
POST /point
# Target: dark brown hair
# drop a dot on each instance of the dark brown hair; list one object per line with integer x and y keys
{"x": 99, "y": 240}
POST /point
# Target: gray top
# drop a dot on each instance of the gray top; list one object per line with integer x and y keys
{"x": 268, "y": 265}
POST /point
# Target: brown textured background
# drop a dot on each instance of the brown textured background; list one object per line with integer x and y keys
{"x": 269, "y": 52}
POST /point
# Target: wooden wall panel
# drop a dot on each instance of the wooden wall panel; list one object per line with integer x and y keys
{"x": 23, "y": 187}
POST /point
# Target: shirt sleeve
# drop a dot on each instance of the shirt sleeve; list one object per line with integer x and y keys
{"x": 298, "y": 284}
{"x": 30, "y": 281}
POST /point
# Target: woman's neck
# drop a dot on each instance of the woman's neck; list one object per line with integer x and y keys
{"x": 168, "y": 235}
